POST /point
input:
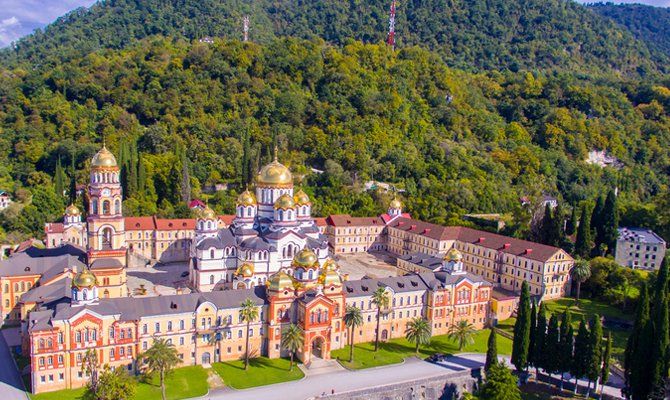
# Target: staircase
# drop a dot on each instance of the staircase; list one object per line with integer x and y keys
{"x": 318, "y": 366}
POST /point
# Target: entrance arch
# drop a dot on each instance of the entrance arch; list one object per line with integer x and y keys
{"x": 318, "y": 347}
{"x": 206, "y": 358}
{"x": 241, "y": 285}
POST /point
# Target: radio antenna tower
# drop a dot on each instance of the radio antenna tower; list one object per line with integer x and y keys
{"x": 390, "y": 40}
{"x": 246, "y": 28}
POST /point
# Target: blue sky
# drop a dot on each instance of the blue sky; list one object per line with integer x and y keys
{"x": 20, "y": 17}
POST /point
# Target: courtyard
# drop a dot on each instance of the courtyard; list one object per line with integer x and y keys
{"x": 158, "y": 280}
{"x": 372, "y": 264}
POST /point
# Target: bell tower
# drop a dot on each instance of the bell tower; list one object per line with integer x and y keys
{"x": 106, "y": 228}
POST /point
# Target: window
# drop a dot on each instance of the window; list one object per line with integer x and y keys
{"x": 145, "y": 329}
{"x": 111, "y": 333}
{"x": 181, "y": 324}
{"x": 111, "y": 353}
{"x": 158, "y": 326}
{"x": 169, "y": 326}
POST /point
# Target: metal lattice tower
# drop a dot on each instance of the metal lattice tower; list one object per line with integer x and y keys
{"x": 390, "y": 40}
{"x": 246, "y": 28}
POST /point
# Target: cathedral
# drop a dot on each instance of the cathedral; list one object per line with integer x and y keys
{"x": 272, "y": 231}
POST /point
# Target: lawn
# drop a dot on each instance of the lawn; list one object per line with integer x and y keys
{"x": 396, "y": 350}
{"x": 262, "y": 371}
{"x": 182, "y": 383}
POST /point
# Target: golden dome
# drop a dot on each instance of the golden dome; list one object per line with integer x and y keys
{"x": 72, "y": 211}
{"x": 245, "y": 270}
{"x": 85, "y": 279}
{"x": 453, "y": 255}
{"x": 246, "y": 198}
{"x": 395, "y": 203}
{"x": 274, "y": 174}
{"x": 280, "y": 281}
{"x": 284, "y": 202}
{"x": 306, "y": 258}
{"x": 330, "y": 265}
{"x": 103, "y": 159}
{"x": 302, "y": 199}
{"x": 205, "y": 213}
{"x": 330, "y": 278}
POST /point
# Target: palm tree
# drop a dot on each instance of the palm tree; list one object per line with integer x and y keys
{"x": 581, "y": 271}
{"x": 463, "y": 333}
{"x": 352, "y": 319}
{"x": 418, "y": 332}
{"x": 248, "y": 312}
{"x": 292, "y": 339}
{"x": 380, "y": 299}
{"x": 161, "y": 358}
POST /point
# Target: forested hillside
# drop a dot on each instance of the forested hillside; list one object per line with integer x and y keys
{"x": 472, "y": 34}
{"x": 456, "y": 141}
{"x": 649, "y": 24}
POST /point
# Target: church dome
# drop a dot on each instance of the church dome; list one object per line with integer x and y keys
{"x": 205, "y": 213}
{"x": 275, "y": 174}
{"x": 330, "y": 278}
{"x": 246, "y": 198}
{"x": 395, "y": 203}
{"x": 280, "y": 281}
{"x": 284, "y": 202}
{"x": 453, "y": 255}
{"x": 306, "y": 258}
{"x": 103, "y": 159}
{"x": 85, "y": 279}
{"x": 72, "y": 211}
{"x": 329, "y": 265}
{"x": 245, "y": 270}
{"x": 301, "y": 198}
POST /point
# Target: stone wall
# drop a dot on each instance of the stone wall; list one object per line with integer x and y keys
{"x": 445, "y": 387}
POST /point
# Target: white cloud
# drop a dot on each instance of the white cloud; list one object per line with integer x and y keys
{"x": 20, "y": 17}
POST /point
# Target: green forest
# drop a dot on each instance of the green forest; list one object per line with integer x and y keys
{"x": 468, "y": 114}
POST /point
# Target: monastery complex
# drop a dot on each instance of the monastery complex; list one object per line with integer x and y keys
{"x": 72, "y": 296}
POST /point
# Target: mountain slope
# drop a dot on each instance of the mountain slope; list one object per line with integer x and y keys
{"x": 472, "y": 34}
{"x": 649, "y": 24}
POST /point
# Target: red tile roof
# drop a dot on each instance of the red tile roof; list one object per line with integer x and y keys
{"x": 174, "y": 224}
{"x": 347, "y": 220}
{"x": 493, "y": 241}
{"x": 227, "y": 219}
{"x": 140, "y": 223}
{"x": 320, "y": 221}
{"x": 54, "y": 227}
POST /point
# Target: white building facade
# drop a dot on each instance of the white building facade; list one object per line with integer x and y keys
{"x": 639, "y": 248}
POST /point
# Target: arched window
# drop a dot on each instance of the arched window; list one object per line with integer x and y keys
{"x": 106, "y": 207}
{"x": 23, "y": 286}
{"x": 106, "y": 237}
{"x": 41, "y": 343}
{"x": 211, "y": 254}
{"x": 94, "y": 204}
{"x": 49, "y": 343}
{"x": 280, "y": 214}
{"x": 117, "y": 206}
{"x": 16, "y": 286}
{"x": 84, "y": 294}
{"x": 105, "y": 294}
{"x": 211, "y": 279}
{"x": 309, "y": 274}
{"x": 248, "y": 211}
{"x": 290, "y": 215}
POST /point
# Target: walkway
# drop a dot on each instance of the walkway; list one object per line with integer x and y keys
{"x": 11, "y": 386}
{"x": 343, "y": 381}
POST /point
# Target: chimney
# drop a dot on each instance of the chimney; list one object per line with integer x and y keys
{"x": 401, "y": 223}
{"x": 481, "y": 239}
{"x": 506, "y": 246}
{"x": 529, "y": 251}
{"x": 413, "y": 227}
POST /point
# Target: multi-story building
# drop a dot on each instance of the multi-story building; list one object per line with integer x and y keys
{"x": 206, "y": 327}
{"x": 639, "y": 248}
{"x": 5, "y": 200}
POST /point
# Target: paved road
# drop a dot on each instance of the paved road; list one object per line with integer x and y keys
{"x": 343, "y": 381}
{"x": 11, "y": 386}
{"x": 346, "y": 381}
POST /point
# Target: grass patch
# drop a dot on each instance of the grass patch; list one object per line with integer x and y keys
{"x": 396, "y": 350}
{"x": 507, "y": 325}
{"x": 262, "y": 371}
{"x": 182, "y": 383}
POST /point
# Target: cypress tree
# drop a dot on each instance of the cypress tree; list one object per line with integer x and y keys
{"x": 185, "y": 179}
{"x": 605, "y": 371}
{"x": 581, "y": 353}
{"x": 572, "y": 222}
{"x": 565, "y": 346}
{"x": 531, "y": 335}
{"x": 546, "y": 227}
{"x": 491, "y": 351}
{"x": 637, "y": 351}
{"x": 540, "y": 339}
{"x": 583, "y": 240}
{"x": 73, "y": 183}
{"x": 552, "y": 347}
{"x": 59, "y": 179}
{"x": 596, "y": 214}
{"x": 660, "y": 339}
{"x": 609, "y": 223}
{"x": 522, "y": 330}
{"x": 132, "y": 173}
{"x": 141, "y": 176}
{"x": 595, "y": 353}
{"x": 557, "y": 233}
